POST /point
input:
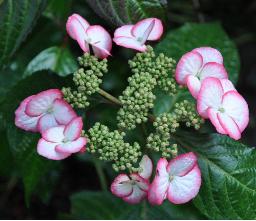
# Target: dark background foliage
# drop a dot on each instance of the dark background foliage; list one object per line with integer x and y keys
{"x": 54, "y": 195}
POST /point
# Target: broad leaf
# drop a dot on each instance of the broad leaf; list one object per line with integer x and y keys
{"x": 229, "y": 176}
{"x": 16, "y": 20}
{"x": 56, "y": 59}
{"x": 179, "y": 41}
{"x": 103, "y": 205}
{"x": 120, "y": 12}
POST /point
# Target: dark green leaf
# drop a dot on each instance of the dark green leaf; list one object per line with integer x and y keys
{"x": 178, "y": 42}
{"x": 120, "y": 12}
{"x": 56, "y": 59}
{"x": 229, "y": 176}
{"x": 16, "y": 20}
{"x": 103, "y": 205}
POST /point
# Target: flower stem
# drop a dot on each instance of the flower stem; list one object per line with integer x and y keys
{"x": 101, "y": 175}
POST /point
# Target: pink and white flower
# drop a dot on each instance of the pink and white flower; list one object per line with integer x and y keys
{"x": 60, "y": 142}
{"x": 179, "y": 180}
{"x": 198, "y": 64}
{"x": 224, "y": 106}
{"x": 42, "y": 111}
{"x": 135, "y": 36}
{"x": 133, "y": 188}
{"x": 85, "y": 34}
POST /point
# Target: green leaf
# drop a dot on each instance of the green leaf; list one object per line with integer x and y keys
{"x": 179, "y": 41}
{"x": 56, "y": 59}
{"x": 228, "y": 169}
{"x": 120, "y": 12}
{"x": 22, "y": 144}
{"x": 103, "y": 205}
{"x": 16, "y": 20}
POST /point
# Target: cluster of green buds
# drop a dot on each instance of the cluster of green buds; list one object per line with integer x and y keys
{"x": 110, "y": 146}
{"x": 138, "y": 98}
{"x": 167, "y": 123}
{"x": 87, "y": 80}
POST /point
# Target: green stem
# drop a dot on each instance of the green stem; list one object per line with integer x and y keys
{"x": 101, "y": 175}
{"x": 144, "y": 210}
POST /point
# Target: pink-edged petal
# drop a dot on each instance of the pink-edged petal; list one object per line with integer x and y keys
{"x": 22, "y": 120}
{"x": 140, "y": 29}
{"x": 142, "y": 183}
{"x": 182, "y": 164}
{"x": 193, "y": 85}
{"x": 159, "y": 186}
{"x": 101, "y": 39}
{"x": 185, "y": 188}
{"x": 47, "y": 149}
{"x": 76, "y": 27}
{"x": 42, "y": 102}
{"x": 210, "y": 55}
{"x": 146, "y": 166}
{"x": 130, "y": 43}
{"x": 46, "y": 121}
{"x": 236, "y": 107}
{"x": 229, "y": 125}
{"x": 210, "y": 95}
{"x": 227, "y": 85}
{"x": 213, "y": 69}
{"x": 71, "y": 147}
{"x": 212, "y": 114}
{"x": 100, "y": 52}
{"x": 189, "y": 64}
{"x": 121, "y": 186}
{"x": 73, "y": 129}
{"x": 63, "y": 112}
{"x": 136, "y": 196}
{"x": 54, "y": 134}
{"x": 124, "y": 31}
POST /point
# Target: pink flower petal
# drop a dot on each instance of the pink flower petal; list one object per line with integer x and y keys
{"x": 24, "y": 121}
{"x": 71, "y": 147}
{"x": 182, "y": 164}
{"x": 63, "y": 112}
{"x": 124, "y": 31}
{"x": 158, "y": 188}
{"x": 189, "y": 64}
{"x": 46, "y": 121}
{"x": 183, "y": 189}
{"x": 42, "y": 102}
{"x": 76, "y": 27}
{"x": 73, "y": 129}
{"x": 136, "y": 196}
{"x": 101, "y": 39}
{"x": 236, "y": 107}
{"x": 229, "y": 126}
{"x": 209, "y": 55}
{"x": 47, "y": 149}
{"x": 210, "y": 95}
{"x": 54, "y": 134}
{"x": 146, "y": 165}
{"x": 227, "y": 85}
{"x": 100, "y": 52}
{"x": 121, "y": 186}
{"x": 130, "y": 43}
{"x": 213, "y": 69}
{"x": 140, "y": 29}
{"x": 212, "y": 114}
{"x": 193, "y": 84}
{"x": 142, "y": 183}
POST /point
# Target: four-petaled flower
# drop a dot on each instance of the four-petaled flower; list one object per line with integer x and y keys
{"x": 135, "y": 36}
{"x": 85, "y": 34}
{"x": 60, "y": 142}
{"x": 226, "y": 108}
{"x": 179, "y": 180}
{"x": 42, "y": 111}
{"x": 195, "y": 66}
{"x": 134, "y": 188}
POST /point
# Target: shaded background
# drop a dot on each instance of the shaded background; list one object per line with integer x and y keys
{"x": 238, "y": 17}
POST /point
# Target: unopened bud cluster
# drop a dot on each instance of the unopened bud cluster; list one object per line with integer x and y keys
{"x": 87, "y": 80}
{"x": 167, "y": 123}
{"x": 137, "y": 99}
{"x": 110, "y": 146}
